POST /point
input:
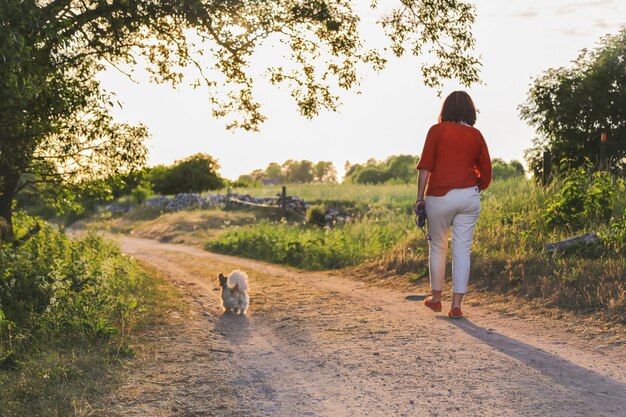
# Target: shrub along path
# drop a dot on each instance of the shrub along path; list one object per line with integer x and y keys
{"x": 321, "y": 345}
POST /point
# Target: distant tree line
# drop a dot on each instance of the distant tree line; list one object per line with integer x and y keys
{"x": 292, "y": 172}
{"x": 400, "y": 169}
{"x": 199, "y": 173}
{"x": 395, "y": 169}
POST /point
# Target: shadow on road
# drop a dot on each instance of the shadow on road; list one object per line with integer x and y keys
{"x": 234, "y": 327}
{"x": 567, "y": 374}
{"x": 416, "y": 297}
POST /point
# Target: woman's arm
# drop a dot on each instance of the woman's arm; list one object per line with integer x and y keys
{"x": 422, "y": 180}
{"x": 484, "y": 166}
{"x": 425, "y": 165}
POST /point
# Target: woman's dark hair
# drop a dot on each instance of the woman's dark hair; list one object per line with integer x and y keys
{"x": 458, "y": 107}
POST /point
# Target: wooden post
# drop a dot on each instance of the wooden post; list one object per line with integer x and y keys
{"x": 283, "y": 201}
{"x": 603, "y": 151}
{"x": 546, "y": 174}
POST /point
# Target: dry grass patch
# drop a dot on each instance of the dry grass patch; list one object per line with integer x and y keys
{"x": 190, "y": 227}
{"x": 193, "y": 227}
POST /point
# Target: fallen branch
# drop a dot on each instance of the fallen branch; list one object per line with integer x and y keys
{"x": 564, "y": 244}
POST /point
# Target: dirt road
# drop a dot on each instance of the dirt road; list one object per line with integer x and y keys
{"x": 319, "y": 345}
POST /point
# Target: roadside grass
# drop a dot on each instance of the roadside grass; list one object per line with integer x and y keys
{"x": 62, "y": 343}
{"x": 509, "y": 255}
{"x": 312, "y": 248}
{"x": 69, "y": 377}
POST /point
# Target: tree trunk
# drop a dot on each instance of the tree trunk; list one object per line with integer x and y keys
{"x": 7, "y": 193}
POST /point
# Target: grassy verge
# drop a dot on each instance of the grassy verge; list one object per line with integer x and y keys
{"x": 509, "y": 255}
{"x": 311, "y": 247}
{"x": 69, "y": 309}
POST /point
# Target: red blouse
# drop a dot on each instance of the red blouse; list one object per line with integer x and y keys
{"x": 457, "y": 157}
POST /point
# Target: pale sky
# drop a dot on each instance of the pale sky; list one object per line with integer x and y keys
{"x": 517, "y": 41}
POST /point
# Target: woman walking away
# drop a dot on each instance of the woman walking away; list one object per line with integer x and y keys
{"x": 454, "y": 167}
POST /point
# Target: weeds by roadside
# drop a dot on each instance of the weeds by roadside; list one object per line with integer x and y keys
{"x": 67, "y": 311}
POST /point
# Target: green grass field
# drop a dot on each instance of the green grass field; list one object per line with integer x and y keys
{"x": 508, "y": 255}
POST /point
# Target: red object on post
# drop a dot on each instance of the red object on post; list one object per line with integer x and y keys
{"x": 603, "y": 162}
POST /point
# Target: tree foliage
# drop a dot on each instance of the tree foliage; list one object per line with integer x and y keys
{"x": 396, "y": 168}
{"x": 502, "y": 170}
{"x": 325, "y": 171}
{"x": 298, "y": 171}
{"x": 194, "y": 174}
{"x": 572, "y": 106}
{"x": 292, "y": 172}
{"x": 54, "y": 115}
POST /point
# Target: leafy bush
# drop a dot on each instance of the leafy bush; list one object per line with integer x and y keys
{"x": 245, "y": 181}
{"x": 372, "y": 175}
{"x": 584, "y": 196}
{"x": 316, "y": 215}
{"x": 53, "y": 287}
{"x": 141, "y": 192}
{"x": 615, "y": 235}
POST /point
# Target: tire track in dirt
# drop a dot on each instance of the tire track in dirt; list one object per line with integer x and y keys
{"x": 320, "y": 345}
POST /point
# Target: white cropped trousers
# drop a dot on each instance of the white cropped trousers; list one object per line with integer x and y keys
{"x": 457, "y": 210}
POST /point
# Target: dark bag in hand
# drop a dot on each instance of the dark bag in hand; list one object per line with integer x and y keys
{"x": 420, "y": 218}
{"x": 420, "y": 215}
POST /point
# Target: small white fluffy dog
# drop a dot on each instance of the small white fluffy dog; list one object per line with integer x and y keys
{"x": 235, "y": 296}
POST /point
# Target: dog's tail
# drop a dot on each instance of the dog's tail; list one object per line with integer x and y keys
{"x": 238, "y": 279}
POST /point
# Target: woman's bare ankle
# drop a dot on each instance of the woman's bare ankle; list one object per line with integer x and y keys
{"x": 457, "y": 300}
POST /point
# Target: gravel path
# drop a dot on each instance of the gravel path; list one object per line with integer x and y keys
{"x": 320, "y": 345}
